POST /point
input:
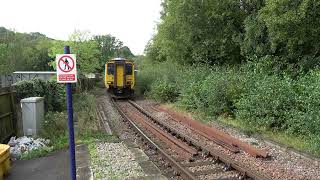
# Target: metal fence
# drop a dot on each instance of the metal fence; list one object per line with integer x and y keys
{"x": 8, "y": 80}
{"x": 8, "y": 119}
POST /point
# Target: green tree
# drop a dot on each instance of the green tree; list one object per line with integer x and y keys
{"x": 83, "y": 45}
{"x": 21, "y": 51}
{"x": 110, "y": 47}
{"x": 193, "y": 31}
{"x": 288, "y": 30}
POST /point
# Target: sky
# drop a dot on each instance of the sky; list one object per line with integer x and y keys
{"x": 131, "y": 21}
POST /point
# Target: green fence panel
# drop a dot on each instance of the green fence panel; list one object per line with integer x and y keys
{"x": 6, "y": 115}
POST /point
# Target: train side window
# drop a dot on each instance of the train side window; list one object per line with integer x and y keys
{"x": 110, "y": 69}
{"x": 128, "y": 69}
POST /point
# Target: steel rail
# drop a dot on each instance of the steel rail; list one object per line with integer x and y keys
{"x": 245, "y": 171}
{"x": 186, "y": 174}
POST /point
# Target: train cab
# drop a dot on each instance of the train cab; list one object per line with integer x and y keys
{"x": 119, "y": 77}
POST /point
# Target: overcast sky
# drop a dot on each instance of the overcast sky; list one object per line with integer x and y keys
{"x": 131, "y": 21}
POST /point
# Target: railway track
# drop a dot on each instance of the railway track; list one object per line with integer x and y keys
{"x": 189, "y": 158}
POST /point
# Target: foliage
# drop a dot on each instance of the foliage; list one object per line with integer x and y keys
{"x": 254, "y": 60}
{"x": 110, "y": 47}
{"x": 283, "y": 104}
{"x": 253, "y": 96}
{"x": 21, "y": 51}
{"x": 55, "y": 124}
{"x": 53, "y": 92}
{"x": 87, "y": 129}
{"x": 83, "y": 45}
{"x": 287, "y": 30}
{"x": 230, "y": 32}
{"x": 85, "y": 113}
{"x": 36, "y": 52}
{"x": 163, "y": 91}
{"x": 198, "y": 31}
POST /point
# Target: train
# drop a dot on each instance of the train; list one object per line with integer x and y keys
{"x": 120, "y": 77}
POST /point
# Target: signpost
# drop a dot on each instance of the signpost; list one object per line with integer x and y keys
{"x": 66, "y": 68}
{"x": 67, "y": 73}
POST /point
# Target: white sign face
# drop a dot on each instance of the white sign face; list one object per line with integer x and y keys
{"x": 66, "y": 68}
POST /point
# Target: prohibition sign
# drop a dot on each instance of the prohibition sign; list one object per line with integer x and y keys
{"x": 65, "y": 61}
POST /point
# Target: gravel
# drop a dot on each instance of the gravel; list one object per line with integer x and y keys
{"x": 114, "y": 160}
{"x": 281, "y": 165}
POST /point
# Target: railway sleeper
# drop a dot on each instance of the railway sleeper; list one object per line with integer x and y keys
{"x": 196, "y": 143}
{"x": 192, "y": 164}
{"x": 206, "y": 172}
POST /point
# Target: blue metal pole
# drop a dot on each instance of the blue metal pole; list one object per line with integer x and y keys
{"x": 70, "y": 125}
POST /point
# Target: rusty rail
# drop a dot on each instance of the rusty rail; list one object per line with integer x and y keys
{"x": 184, "y": 150}
{"x": 213, "y": 134}
{"x": 245, "y": 171}
{"x": 186, "y": 174}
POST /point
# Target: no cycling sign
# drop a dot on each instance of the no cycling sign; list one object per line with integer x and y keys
{"x": 66, "y": 68}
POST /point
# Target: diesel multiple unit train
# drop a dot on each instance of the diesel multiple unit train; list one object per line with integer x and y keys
{"x": 119, "y": 77}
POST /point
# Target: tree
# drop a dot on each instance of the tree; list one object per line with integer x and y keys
{"x": 193, "y": 31}
{"x": 21, "y": 51}
{"x": 86, "y": 48}
{"x": 110, "y": 47}
{"x": 287, "y": 30}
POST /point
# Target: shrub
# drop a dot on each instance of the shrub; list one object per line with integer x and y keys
{"x": 281, "y": 103}
{"x": 162, "y": 90}
{"x": 54, "y": 125}
{"x": 266, "y": 103}
{"x": 252, "y": 93}
{"x": 53, "y": 92}
{"x": 304, "y": 118}
{"x": 85, "y": 113}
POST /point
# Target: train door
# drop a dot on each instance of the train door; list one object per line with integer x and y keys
{"x": 120, "y": 75}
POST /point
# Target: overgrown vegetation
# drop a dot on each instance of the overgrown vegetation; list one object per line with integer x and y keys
{"x": 254, "y": 63}
{"x": 249, "y": 95}
{"x": 53, "y": 93}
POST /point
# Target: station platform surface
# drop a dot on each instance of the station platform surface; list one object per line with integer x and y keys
{"x": 52, "y": 167}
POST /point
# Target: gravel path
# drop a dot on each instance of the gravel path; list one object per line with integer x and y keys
{"x": 122, "y": 160}
{"x": 281, "y": 165}
{"x": 114, "y": 161}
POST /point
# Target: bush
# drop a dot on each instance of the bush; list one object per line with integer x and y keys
{"x": 251, "y": 93}
{"x": 163, "y": 91}
{"x": 53, "y": 92}
{"x": 281, "y": 103}
{"x": 85, "y": 113}
{"x": 304, "y": 118}
{"x": 164, "y": 73}
{"x": 55, "y": 124}
{"x": 265, "y": 104}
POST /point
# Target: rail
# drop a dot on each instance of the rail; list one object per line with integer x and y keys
{"x": 218, "y": 156}
{"x": 186, "y": 174}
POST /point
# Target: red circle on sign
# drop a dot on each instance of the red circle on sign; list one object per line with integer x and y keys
{"x": 70, "y": 68}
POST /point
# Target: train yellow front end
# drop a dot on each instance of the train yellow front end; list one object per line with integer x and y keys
{"x": 119, "y": 77}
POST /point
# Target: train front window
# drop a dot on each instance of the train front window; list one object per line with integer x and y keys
{"x": 128, "y": 69}
{"x": 110, "y": 69}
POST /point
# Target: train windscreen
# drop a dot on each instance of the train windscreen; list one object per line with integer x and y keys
{"x": 110, "y": 69}
{"x": 128, "y": 69}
